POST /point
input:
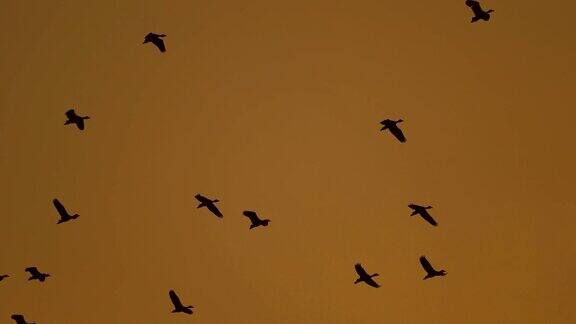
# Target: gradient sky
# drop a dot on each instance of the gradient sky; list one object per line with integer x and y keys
{"x": 274, "y": 106}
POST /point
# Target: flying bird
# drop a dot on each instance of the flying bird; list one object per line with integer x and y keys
{"x": 479, "y": 13}
{"x": 19, "y": 319}
{"x": 73, "y": 118}
{"x": 209, "y": 203}
{"x": 421, "y": 210}
{"x": 36, "y": 275}
{"x": 256, "y": 221}
{"x": 430, "y": 271}
{"x": 3, "y": 276}
{"x": 393, "y": 128}
{"x": 156, "y": 40}
{"x": 178, "y": 307}
{"x": 64, "y": 215}
{"x": 364, "y": 276}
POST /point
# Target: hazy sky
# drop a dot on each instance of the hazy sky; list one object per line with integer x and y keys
{"x": 274, "y": 106}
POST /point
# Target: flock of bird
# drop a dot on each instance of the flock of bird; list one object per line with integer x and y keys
{"x": 210, "y": 204}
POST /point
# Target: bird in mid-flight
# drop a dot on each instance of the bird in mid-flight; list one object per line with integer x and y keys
{"x": 256, "y": 221}
{"x": 209, "y": 203}
{"x": 393, "y": 128}
{"x": 36, "y": 275}
{"x": 479, "y": 13}
{"x": 178, "y": 307}
{"x": 64, "y": 215}
{"x": 430, "y": 271}
{"x": 365, "y": 277}
{"x": 19, "y": 319}
{"x": 421, "y": 210}
{"x": 3, "y": 276}
{"x": 73, "y": 118}
{"x": 156, "y": 39}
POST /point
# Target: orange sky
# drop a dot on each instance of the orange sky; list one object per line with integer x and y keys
{"x": 274, "y": 106}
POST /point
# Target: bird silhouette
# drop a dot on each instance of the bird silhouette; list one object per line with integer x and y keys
{"x": 64, "y": 215}
{"x": 430, "y": 271}
{"x": 256, "y": 221}
{"x": 365, "y": 277}
{"x": 421, "y": 210}
{"x": 479, "y": 13}
{"x": 2, "y": 277}
{"x": 36, "y": 275}
{"x": 393, "y": 128}
{"x": 156, "y": 40}
{"x": 209, "y": 203}
{"x": 73, "y": 118}
{"x": 19, "y": 319}
{"x": 178, "y": 307}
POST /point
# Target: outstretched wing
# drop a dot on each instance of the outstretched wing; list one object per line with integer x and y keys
{"x": 424, "y": 213}
{"x": 426, "y": 265}
{"x": 475, "y": 6}
{"x": 175, "y": 300}
{"x": 214, "y": 210}
{"x": 361, "y": 272}
{"x": 159, "y": 43}
{"x": 202, "y": 199}
{"x": 252, "y": 215}
{"x": 371, "y": 282}
{"x": 397, "y": 132}
{"x": 413, "y": 206}
{"x": 80, "y": 123}
{"x": 60, "y": 208}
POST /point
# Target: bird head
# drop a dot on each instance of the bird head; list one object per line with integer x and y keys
{"x": 428, "y": 207}
{"x": 490, "y": 10}
{"x": 399, "y": 121}
{"x": 75, "y": 216}
{"x": 215, "y": 200}
{"x": 443, "y": 272}
{"x": 265, "y": 222}
{"x": 374, "y": 275}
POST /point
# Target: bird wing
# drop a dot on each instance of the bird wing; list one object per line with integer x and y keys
{"x": 413, "y": 206}
{"x": 32, "y": 270}
{"x": 60, "y": 208}
{"x": 371, "y": 282}
{"x": 159, "y": 43}
{"x": 426, "y": 265}
{"x": 361, "y": 272}
{"x": 397, "y": 132}
{"x": 252, "y": 215}
{"x": 80, "y": 123}
{"x": 175, "y": 300}
{"x": 202, "y": 199}
{"x": 214, "y": 210}
{"x": 475, "y": 6}
{"x": 428, "y": 218}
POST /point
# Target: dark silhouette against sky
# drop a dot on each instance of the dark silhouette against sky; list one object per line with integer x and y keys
{"x": 19, "y": 319}
{"x": 393, "y": 128}
{"x": 178, "y": 306}
{"x": 254, "y": 219}
{"x": 73, "y": 118}
{"x": 430, "y": 271}
{"x": 479, "y": 13}
{"x": 156, "y": 39}
{"x": 365, "y": 277}
{"x": 422, "y": 211}
{"x": 62, "y": 212}
{"x": 210, "y": 204}
{"x": 4, "y": 276}
{"x": 36, "y": 275}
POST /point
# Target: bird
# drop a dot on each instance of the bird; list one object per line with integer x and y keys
{"x": 393, "y": 128}
{"x": 3, "y": 276}
{"x": 430, "y": 271}
{"x": 421, "y": 210}
{"x": 36, "y": 275}
{"x": 364, "y": 276}
{"x": 178, "y": 307}
{"x": 256, "y": 221}
{"x": 479, "y": 13}
{"x": 64, "y": 215}
{"x": 19, "y": 319}
{"x": 156, "y": 40}
{"x": 73, "y": 118}
{"x": 209, "y": 203}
